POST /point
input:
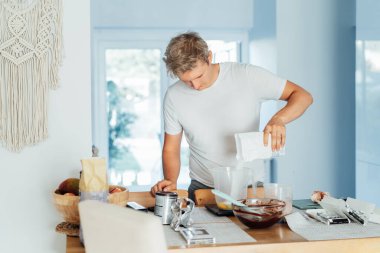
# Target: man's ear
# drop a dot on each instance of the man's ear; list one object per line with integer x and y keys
{"x": 209, "y": 57}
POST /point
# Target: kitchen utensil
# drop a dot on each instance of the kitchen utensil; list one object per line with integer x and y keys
{"x": 232, "y": 181}
{"x": 228, "y": 198}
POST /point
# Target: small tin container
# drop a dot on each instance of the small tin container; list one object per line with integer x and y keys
{"x": 163, "y": 205}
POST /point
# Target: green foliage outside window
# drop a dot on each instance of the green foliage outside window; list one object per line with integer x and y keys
{"x": 120, "y": 121}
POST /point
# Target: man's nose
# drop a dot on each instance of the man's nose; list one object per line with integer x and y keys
{"x": 195, "y": 85}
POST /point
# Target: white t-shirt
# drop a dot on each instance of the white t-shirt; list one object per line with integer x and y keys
{"x": 211, "y": 117}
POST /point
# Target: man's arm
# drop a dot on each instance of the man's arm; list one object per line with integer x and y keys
{"x": 298, "y": 101}
{"x": 171, "y": 162}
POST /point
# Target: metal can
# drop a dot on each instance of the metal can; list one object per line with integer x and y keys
{"x": 163, "y": 205}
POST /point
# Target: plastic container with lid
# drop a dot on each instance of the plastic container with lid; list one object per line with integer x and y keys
{"x": 232, "y": 181}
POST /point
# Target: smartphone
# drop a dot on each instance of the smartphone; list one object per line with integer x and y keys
{"x": 332, "y": 219}
{"x": 322, "y": 216}
{"x": 136, "y": 206}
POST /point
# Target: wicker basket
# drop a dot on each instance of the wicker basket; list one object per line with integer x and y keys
{"x": 67, "y": 205}
{"x": 119, "y": 198}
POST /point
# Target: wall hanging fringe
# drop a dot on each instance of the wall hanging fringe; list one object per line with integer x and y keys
{"x": 30, "y": 56}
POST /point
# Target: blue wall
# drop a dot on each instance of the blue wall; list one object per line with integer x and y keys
{"x": 210, "y": 14}
{"x": 263, "y": 50}
{"x": 316, "y": 49}
{"x": 367, "y": 19}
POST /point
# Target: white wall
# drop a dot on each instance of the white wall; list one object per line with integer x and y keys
{"x": 28, "y": 178}
{"x": 316, "y": 49}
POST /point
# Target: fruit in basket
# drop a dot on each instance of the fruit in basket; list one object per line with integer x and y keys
{"x": 67, "y": 203}
{"x": 70, "y": 185}
{"x": 114, "y": 189}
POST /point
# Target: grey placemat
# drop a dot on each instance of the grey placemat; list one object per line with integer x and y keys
{"x": 222, "y": 228}
{"x": 314, "y": 230}
{"x": 227, "y": 232}
{"x": 202, "y": 215}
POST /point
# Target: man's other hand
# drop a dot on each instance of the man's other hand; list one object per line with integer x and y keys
{"x": 163, "y": 185}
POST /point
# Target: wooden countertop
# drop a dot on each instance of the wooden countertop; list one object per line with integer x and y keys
{"x": 277, "y": 238}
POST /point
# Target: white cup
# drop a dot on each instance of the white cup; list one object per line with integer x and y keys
{"x": 282, "y": 192}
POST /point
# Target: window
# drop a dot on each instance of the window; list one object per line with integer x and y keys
{"x": 134, "y": 115}
{"x": 130, "y": 83}
{"x": 367, "y": 120}
{"x": 224, "y": 51}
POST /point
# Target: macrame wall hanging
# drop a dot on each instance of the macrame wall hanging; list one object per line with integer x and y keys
{"x": 30, "y": 56}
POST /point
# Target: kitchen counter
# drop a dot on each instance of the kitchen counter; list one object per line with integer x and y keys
{"x": 277, "y": 238}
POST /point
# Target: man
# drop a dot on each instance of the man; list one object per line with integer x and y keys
{"x": 212, "y": 102}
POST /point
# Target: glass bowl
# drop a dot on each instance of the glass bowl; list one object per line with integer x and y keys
{"x": 259, "y": 212}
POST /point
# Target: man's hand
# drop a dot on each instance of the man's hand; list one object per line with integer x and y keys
{"x": 298, "y": 101}
{"x": 275, "y": 128}
{"x": 163, "y": 185}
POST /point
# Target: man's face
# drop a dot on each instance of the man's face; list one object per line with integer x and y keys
{"x": 199, "y": 77}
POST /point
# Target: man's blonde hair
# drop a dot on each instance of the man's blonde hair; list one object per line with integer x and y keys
{"x": 183, "y": 52}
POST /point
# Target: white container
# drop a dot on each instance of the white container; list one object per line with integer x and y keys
{"x": 282, "y": 192}
{"x": 232, "y": 181}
